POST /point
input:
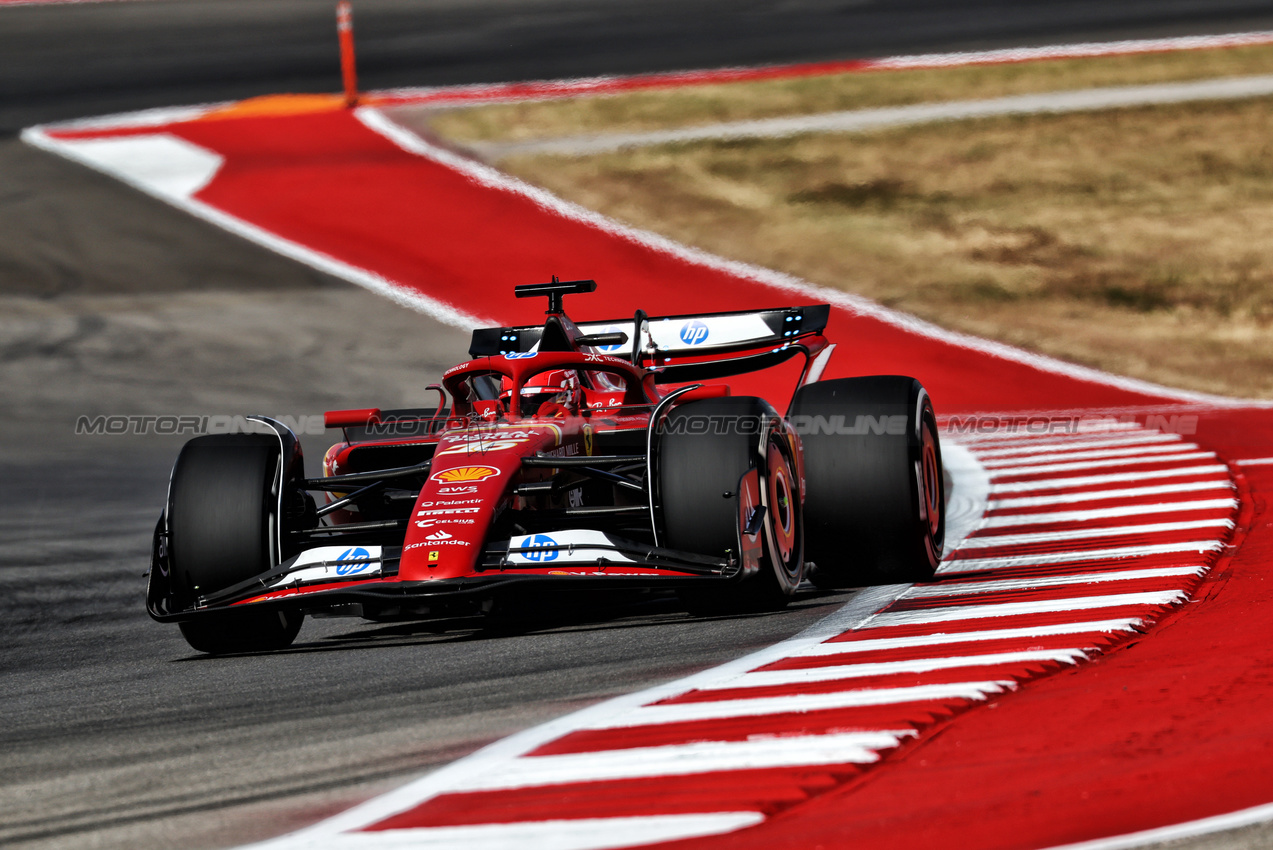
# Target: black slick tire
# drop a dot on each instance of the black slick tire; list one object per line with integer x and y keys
{"x": 705, "y": 449}
{"x": 874, "y": 501}
{"x": 222, "y": 525}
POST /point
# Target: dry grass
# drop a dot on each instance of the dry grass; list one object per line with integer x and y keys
{"x": 1138, "y": 241}
{"x": 651, "y": 110}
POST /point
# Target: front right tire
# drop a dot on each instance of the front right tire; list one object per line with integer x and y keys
{"x": 223, "y": 527}
{"x": 706, "y": 447}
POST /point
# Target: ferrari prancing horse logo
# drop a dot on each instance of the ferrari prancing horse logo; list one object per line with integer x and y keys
{"x": 464, "y": 474}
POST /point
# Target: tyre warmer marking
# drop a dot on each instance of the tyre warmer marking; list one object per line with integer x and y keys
{"x": 743, "y": 743}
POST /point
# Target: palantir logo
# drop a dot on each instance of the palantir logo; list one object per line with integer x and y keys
{"x": 541, "y": 547}
{"x": 352, "y": 561}
{"x": 694, "y": 333}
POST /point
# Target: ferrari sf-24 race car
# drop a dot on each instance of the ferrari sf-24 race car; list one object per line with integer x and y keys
{"x": 562, "y": 458}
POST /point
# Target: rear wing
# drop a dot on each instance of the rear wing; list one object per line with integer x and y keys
{"x": 690, "y": 347}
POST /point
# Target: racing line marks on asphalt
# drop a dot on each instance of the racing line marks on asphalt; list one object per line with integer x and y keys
{"x": 761, "y": 735}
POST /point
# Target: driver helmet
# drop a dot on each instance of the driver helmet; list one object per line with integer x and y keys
{"x": 560, "y": 386}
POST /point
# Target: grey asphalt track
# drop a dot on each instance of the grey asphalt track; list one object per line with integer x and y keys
{"x": 114, "y": 733}
{"x": 68, "y": 61}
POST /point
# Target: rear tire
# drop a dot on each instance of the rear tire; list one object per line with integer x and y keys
{"x": 875, "y": 502}
{"x": 699, "y": 469}
{"x": 223, "y": 530}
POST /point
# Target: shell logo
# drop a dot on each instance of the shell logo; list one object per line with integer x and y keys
{"x": 464, "y": 474}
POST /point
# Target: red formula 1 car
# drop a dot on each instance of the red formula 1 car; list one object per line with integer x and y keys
{"x": 562, "y": 458}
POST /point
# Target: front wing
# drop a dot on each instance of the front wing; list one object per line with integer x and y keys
{"x": 333, "y": 579}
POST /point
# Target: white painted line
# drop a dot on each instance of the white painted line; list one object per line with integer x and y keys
{"x": 1014, "y": 609}
{"x": 1152, "y": 438}
{"x": 1007, "y": 472}
{"x": 685, "y": 759}
{"x": 142, "y": 179}
{"x": 1094, "y": 454}
{"x": 863, "y": 120}
{"x": 485, "y": 175}
{"x": 1019, "y": 436}
{"x": 1255, "y": 461}
{"x": 171, "y": 167}
{"x": 1179, "y": 831}
{"x": 1014, "y": 520}
{"x": 608, "y": 85}
{"x": 848, "y": 672}
{"x": 1106, "y": 495}
{"x": 964, "y": 565}
{"x": 1065, "y": 51}
{"x": 494, "y": 757}
{"x": 157, "y": 117}
{"x": 995, "y": 541}
{"x": 581, "y": 834}
{"x": 1110, "y": 478}
{"x": 681, "y": 712}
{"x": 1090, "y": 627}
{"x": 967, "y": 588}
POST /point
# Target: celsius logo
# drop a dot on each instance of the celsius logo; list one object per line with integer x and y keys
{"x": 694, "y": 333}
{"x": 538, "y": 549}
{"x": 352, "y": 561}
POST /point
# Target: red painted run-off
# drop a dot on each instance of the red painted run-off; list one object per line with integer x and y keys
{"x": 1169, "y": 727}
{"x": 326, "y": 181}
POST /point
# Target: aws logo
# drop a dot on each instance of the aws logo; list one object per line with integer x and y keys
{"x": 464, "y": 474}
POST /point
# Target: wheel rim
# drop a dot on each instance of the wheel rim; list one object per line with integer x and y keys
{"x": 783, "y": 509}
{"x": 930, "y": 474}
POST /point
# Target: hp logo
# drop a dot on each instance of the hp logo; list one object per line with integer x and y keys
{"x": 694, "y": 333}
{"x": 539, "y": 550}
{"x": 352, "y": 561}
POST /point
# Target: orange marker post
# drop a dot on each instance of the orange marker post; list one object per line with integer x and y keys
{"x": 345, "y": 29}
